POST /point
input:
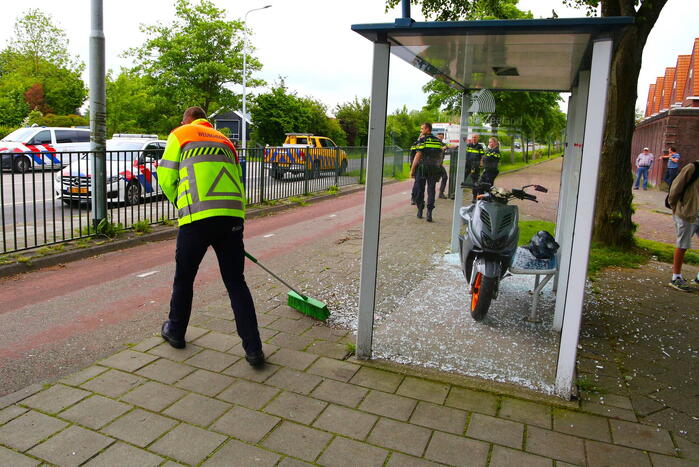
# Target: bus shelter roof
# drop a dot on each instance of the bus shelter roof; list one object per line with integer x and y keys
{"x": 529, "y": 55}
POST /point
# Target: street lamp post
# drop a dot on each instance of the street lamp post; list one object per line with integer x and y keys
{"x": 245, "y": 71}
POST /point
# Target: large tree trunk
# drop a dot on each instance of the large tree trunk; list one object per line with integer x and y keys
{"x": 613, "y": 211}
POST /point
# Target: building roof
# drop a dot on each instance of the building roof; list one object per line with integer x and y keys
{"x": 535, "y": 54}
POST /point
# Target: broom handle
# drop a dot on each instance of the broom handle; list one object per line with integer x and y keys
{"x": 254, "y": 260}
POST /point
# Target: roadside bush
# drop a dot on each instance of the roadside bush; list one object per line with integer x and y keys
{"x": 142, "y": 226}
{"x": 63, "y": 120}
{"x": 6, "y": 130}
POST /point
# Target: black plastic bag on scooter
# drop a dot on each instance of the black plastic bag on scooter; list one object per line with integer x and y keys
{"x": 543, "y": 245}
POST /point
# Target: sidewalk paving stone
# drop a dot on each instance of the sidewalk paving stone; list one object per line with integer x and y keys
{"x": 614, "y": 400}
{"x": 340, "y": 393}
{"x": 14, "y": 459}
{"x": 17, "y": 396}
{"x": 28, "y": 429}
{"x": 128, "y": 360}
{"x": 165, "y": 350}
{"x": 297, "y": 440}
{"x": 245, "y": 424}
{"x": 291, "y": 462}
{"x": 555, "y": 445}
{"x": 217, "y": 341}
{"x": 385, "y": 381}
{"x": 527, "y": 412}
{"x": 197, "y": 409}
{"x": 124, "y": 454}
{"x": 139, "y": 427}
{"x": 496, "y": 430}
{"x": 328, "y": 349}
{"x": 194, "y": 333}
{"x": 418, "y": 388}
{"x": 457, "y": 450}
{"x": 205, "y": 382}
{"x": 292, "y": 358}
{"x": 439, "y": 417}
{"x": 55, "y": 398}
{"x": 113, "y": 383}
{"x": 581, "y": 424}
{"x": 400, "y": 436}
{"x": 268, "y": 349}
{"x": 609, "y": 411}
{"x": 71, "y": 447}
{"x": 293, "y": 380}
{"x": 344, "y": 452}
{"x": 505, "y": 457}
{"x": 165, "y": 371}
{"x": 242, "y": 369}
{"x": 344, "y": 421}
{"x": 474, "y": 401}
{"x": 659, "y": 460}
{"x": 189, "y": 444}
{"x": 642, "y": 437}
{"x": 248, "y": 394}
{"x": 76, "y": 379}
{"x": 153, "y": 396}
{"x": 295, "y": 407}
{"x": 95, "y": 411}
{"x": 225, "y": 326}
{"x": 244, "y": 454}
{"x": 212, "y": 360}
{"x": 13, "y": 411}
{"x": 333, "y": 369}
{"x": 326, "y": 333}
{"x": 403, "y": 460}
{"x": 388, "y": 405}
{"x": 291, "y": 341}
{"x": 609, "y": 454}
{"x": 148, "y": 343}
{"x": 291, "y": 326}
{"x": 686, "y": 448}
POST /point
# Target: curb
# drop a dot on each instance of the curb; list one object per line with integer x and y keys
{"x": 164, "y": 233}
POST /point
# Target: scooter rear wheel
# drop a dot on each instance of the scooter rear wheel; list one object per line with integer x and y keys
{"x": 481, "y": 296}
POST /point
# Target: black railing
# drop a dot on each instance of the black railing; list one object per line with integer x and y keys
{"x": 46, "y": 198}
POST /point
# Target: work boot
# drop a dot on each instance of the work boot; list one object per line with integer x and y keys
{"x": 419, "y": 212}
{"x": 429, "y": 215}
{"x": 442, "y": 196}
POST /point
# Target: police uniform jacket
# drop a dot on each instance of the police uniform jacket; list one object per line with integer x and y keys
{"x": 474, "y": 151}
{"x": 491, "y": 158}
{"x": 431, "y": 149}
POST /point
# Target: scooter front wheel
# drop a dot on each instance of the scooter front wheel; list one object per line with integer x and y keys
{"x": 481, "y": 296}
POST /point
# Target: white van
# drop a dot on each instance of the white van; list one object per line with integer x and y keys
{"x": 41, "y": 147}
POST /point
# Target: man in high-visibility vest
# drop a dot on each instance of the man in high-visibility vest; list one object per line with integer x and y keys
{"x": 474, "y": 153}
{"x": 200, "y": 174}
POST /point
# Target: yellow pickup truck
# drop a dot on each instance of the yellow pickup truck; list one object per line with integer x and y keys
{"x": 303, "y": 152}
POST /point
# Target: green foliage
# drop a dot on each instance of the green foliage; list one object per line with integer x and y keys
{"x": 351, "y": 348}
{"x": 190, "y": 58}
{"x": 280, "y": 111}
{"x": 403, "y": 126}
{"x": 602, "y": 257}
{"x": 453, "y": 10}
{"x": 142, "y": 226}
{"x": 165, "y": 221}
{"x": 38, "y": 39}
{"x": 108, "y": 229}
{"x": 665, "y": 251}
{"x": 333, "y": 189}
{"x": 354, "y": 120}
{"x": 527, "y": 229}
{"x": 6, "y": 130}
{"x": 298, "y": 200}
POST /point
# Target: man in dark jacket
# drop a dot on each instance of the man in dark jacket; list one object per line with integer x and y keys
{"x": 684, "y": 200}
{"x": 426, "y": 169}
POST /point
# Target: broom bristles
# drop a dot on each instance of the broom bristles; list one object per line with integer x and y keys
{"x": 309, "y": 306}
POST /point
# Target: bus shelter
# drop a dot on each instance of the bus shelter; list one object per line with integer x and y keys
{"x": 563, "y": 55}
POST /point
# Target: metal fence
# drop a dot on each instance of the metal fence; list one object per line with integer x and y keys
{"x": 47, "y": 201}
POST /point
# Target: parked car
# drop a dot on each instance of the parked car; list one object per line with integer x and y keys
{"x": 40, "y": 147}
{"x": 303, "y": 152}
{"x": 131, "y": 166}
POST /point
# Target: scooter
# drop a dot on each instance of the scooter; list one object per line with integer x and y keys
{"x": 489, "y": 243}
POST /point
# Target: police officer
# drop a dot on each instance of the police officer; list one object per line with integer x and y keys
{"x": 200, "y": 174}
{"x": 474, "y": 152}
{"x": 443, "y": 176}
{"x": 491, "y": 160}
{"x": 426, "y": 169}
{"x": 413, "y": 151}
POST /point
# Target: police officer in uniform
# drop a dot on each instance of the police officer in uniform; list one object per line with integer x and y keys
{"x": 491, "y": 160}
{"x": 200, "y": 174}
{"x": 426, "y": 169}
{"x": 474, "y": 152}
{"x": 413, "y": 151}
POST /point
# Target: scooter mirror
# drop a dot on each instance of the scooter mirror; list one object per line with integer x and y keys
{"x": 541, "y": 188}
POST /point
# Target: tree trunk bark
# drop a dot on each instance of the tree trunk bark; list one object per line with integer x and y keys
{"x": 613, "y": 224}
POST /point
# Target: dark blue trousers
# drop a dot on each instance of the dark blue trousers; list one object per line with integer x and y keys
{"x": 225, "y": 235}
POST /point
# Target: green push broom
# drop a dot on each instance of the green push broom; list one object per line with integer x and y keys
{"x": 296, "y": 300}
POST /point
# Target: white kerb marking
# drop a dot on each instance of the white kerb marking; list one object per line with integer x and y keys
{"x": 269, "y": 235}
{"x": 332, "y": 215}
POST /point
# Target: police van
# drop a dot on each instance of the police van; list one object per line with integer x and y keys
{"x": 40, "y": 147}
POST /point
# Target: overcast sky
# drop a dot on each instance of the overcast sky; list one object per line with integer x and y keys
{"x": 310, "y": 43}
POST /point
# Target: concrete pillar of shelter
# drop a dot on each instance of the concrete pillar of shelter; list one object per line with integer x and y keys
{"x": 372, "y": 199}
{"x": 584, "y": 215}
{"x": 570, "y": 184}
{"x": 460, "y": 167}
